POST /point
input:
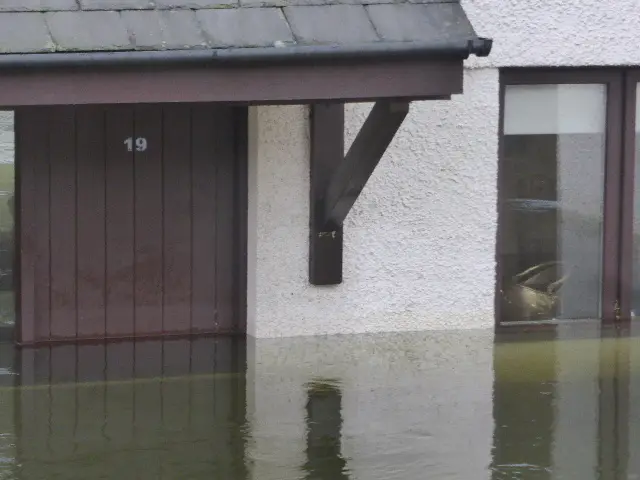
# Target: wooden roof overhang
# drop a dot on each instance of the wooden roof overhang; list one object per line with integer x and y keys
{"x": 272, "y": 75}
{"x": 239, "y": 51}
{"x": 395, "y": 53}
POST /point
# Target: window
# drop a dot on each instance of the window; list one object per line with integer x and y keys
{"x": 569, "y": 198}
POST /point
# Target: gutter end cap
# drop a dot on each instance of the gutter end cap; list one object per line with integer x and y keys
{"x": 480, "y": 47}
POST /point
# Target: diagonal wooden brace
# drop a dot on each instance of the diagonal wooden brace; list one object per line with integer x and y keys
{"x": 338, "y": 180}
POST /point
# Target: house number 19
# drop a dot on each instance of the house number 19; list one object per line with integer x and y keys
{"x": 141, "y": 144}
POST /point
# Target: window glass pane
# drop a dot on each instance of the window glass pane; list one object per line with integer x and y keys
{"x": 635, "y": 297}
{"x": 7, "y": 314}
{"x": 553, "y": 193}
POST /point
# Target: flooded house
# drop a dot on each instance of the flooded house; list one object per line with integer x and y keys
{"x": 299, "y": 168}
{"x": 196, "y": 194}
{"x": 181, "y": 167}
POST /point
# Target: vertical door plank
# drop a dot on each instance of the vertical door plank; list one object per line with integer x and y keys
{"x": 119, "y": 223}
{"x": 63, "y": 218}
{"x": 148, "y": 219}
{"x": 177, "y": 218}
{"x": 204, "y": 219}
{"x": 31, "y": 156}
{"x": 226, "y": 236}
{"x": 241, "y": 185}
{"x": 91, "y": 222}
{"x": 42, "y": 164}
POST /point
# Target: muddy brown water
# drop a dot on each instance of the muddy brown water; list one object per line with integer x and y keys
{"x": 450, "y": 405}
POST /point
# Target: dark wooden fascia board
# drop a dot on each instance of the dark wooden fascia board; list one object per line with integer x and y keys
{"x": 337, "y": 180}
{"x": 268, "y": 84}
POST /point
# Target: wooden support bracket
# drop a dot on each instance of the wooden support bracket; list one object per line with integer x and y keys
{"x": 337, "y": 180}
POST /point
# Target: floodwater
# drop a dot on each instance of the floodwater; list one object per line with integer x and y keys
{"x": 560, "y": 404}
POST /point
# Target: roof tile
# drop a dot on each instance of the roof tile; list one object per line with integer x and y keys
{"x": 24, "y": 33}
{"x": 37, "y": 5}
{"x": 82, "y": 31}
{"x": 433, "y": 1}
{"x": 115, "y": 4}
{"x": 249, "y": 27}
{"x": 111, "y": 25}
{"x": 328, "y": 24}
{"x": 194, "y": 4}
{"x": 282, "y": 3}
{"x": 407, "y": 22}
{"x": 163, "y": 29}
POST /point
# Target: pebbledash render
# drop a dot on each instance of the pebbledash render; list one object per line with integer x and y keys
{"x": 421, "y": 241}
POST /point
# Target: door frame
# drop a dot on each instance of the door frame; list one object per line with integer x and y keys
{"x": 613, "y": 164}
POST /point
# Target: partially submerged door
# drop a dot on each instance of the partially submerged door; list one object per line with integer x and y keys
{"x": 129, "y": 221}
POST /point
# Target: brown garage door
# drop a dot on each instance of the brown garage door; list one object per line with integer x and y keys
{"x": 130, "y": 221}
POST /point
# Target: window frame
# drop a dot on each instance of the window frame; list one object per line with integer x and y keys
{"x": 613, "y": 79}
{"x": 631, "y": 79}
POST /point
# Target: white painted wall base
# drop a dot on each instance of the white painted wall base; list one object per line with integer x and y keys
{"x": 420, "y": 242}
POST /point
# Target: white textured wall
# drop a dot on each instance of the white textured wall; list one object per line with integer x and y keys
{"x": 420, "y": 242}
{"x": 557, "y": 32}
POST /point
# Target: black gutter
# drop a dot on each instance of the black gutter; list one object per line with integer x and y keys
{"x": 480, "y": 47}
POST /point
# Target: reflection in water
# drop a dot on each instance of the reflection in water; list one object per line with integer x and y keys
{"x": 565, "y": 408}
{"x": 324, "y": 424}
{"x": 146, "y": 410}
{"x": 614, "y": 412}
{"x": 401, "y": 406}
{"x": 523, "y": 412}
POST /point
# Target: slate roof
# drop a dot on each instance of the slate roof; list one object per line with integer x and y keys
{"x": 41, "y": 26}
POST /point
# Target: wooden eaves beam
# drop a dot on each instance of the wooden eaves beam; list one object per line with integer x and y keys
{"x": 337, "y": 180}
